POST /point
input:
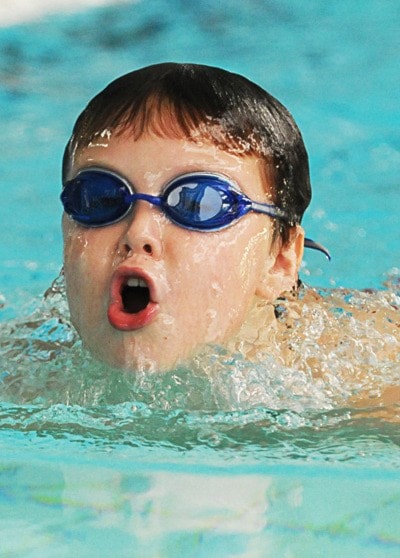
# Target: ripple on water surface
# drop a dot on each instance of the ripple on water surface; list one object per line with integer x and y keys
{"x": 304, "y": 409}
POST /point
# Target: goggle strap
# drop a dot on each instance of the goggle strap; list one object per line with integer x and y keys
{"x": 268, "y": 209}
{"x": 309, "y": 243}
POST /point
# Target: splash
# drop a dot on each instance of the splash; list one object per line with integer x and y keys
{"x": 321, "y": 350}
{"x": 309, "y": 386}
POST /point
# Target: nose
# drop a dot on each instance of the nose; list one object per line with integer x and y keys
{"x": 143, "y": 231}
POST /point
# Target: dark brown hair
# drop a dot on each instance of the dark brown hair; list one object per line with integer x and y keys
{"x": 191, "y": 100}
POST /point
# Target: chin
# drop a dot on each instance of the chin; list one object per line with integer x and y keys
{"x": 132, "y": 356}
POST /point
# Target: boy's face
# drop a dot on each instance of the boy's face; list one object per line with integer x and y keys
{"x": 201, "y": 284}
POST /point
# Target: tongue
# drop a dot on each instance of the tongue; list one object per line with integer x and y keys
{"x": 135, "y": 299}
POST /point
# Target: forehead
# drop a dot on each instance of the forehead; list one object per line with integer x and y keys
{"x": 151, "y": 155}
{"x": 160, "y": 117}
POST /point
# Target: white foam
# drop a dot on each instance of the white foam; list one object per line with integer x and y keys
{"x": 19, "y": 11}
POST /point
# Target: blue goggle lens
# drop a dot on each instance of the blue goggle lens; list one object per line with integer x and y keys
{"x": 95, "y": 198}
{"x": 201, "y": 202}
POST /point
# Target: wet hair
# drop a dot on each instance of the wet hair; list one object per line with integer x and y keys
{"x": 202, "y": 102}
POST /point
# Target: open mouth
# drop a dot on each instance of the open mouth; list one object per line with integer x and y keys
{"x": 135, "y": 295}
{"x": 132, "y": 303}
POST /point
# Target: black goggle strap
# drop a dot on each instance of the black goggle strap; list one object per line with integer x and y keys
{"x": 274, "y": 211}
{"x": 309, "y": 243}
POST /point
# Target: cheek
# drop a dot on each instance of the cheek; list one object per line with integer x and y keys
{"x": 86, "y": 247}
{"x": 75, "y": 241}
{"x": 77, "y": 254}
{"x": 87, "y": 261}
{"x": 222, "y": 270}
{"x": 76, "y": 277}
{"x": 240, "y": 258}
{"x": 252, "y": 255}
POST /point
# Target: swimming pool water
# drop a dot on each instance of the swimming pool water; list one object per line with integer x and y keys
{"x": 339, "y": 83}
{"x": 132, "y": 501}
{"x": 85, "y": 469}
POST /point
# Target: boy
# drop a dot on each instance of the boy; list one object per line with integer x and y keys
{"x": 184, "y": 190}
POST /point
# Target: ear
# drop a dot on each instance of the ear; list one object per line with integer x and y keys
{"x": 282, "y": 266}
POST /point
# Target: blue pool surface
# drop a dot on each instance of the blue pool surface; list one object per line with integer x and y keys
{"x": 96, "y": 474}
{"x": 333, "y": 64}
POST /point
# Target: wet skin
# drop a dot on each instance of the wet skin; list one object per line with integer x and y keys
{"x": 199, "y": 286}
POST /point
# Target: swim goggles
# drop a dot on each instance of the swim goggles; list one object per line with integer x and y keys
{"x": 198, "y": 201}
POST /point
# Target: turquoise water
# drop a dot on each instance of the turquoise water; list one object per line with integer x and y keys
{"x": 95, "y": 463}
{"x": 333, "y": 64}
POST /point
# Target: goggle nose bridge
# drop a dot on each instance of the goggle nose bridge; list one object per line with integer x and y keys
{"x": 132, "y": 197}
